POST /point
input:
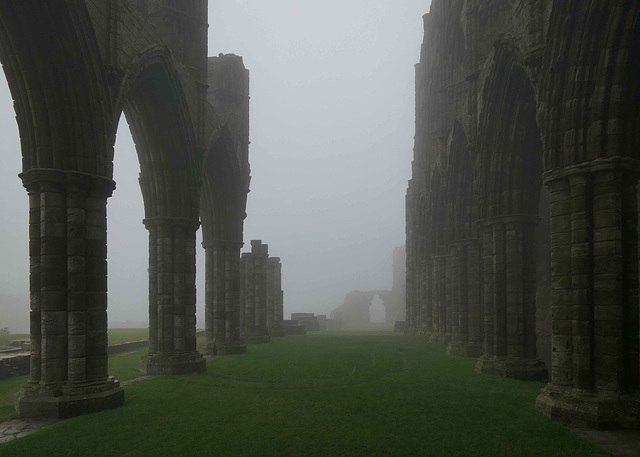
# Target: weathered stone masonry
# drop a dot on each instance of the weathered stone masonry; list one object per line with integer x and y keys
{"x": 275, "y": 297}
{"x": 254, "y": 293}
{"x": 90, "y": 62}
{"x": 526, "y": 147}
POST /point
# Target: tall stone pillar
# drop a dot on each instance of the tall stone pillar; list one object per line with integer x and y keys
{"x": 270, "y": 301}
{"x": 594, "y": 260}
{"x": 172, "y": 298}
{"x": 68, "y": 287}
{"x": 275, "y": 297}
{"x": 222, "y": 298}
{"x": 439, "y": 299}
{"x": 456, "y": 283}
{"x": 466, "y": 338}
{"x": 448, "y": 299}
{"x": 426, "y": 304}
{"x": 510, "y": 302}
{"x": 254, "y": 270}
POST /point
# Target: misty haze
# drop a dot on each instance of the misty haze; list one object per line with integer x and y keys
{"x": 338, "y": 228}
{"x": 332, "y": 106}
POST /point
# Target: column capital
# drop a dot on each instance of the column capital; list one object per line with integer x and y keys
{"x": 167, "y": 221}
{"x": 466, "y": 242}
{"x": 36, "y": 178}
{"x": 222, "y": 244}
{"x": 508, "y": 219}
{"x": 623, "y": 164}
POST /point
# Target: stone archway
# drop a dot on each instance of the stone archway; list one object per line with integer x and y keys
{"x": 591, "y": 104}
{"x": 511, "y": 182}
{"x": 464, "y": 250}
{"x": 377, "y": 310}
{"x": 70, "y": 84}
{"x": 158, "y": 115}
{"x": 225, "y": 184}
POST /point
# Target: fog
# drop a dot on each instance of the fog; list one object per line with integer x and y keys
{"x": 332, "y": 124}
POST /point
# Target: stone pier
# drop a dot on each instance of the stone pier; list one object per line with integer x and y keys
{"x": 439, "y": 300}
{"x": 275, "y": 297}
{"x": 68, "y": 286}
{"x": 594, "y": 246}
{"x": 254, "y": 293}
{"x": 172, "y": 298}
{"x": 466, "y": 287}
{"x": 510, "y": 307}
{"x": 222, "y": 298}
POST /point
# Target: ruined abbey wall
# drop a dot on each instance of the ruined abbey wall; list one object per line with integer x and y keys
{"x": 73, "y": 68}
{"x": 521, "y": 212}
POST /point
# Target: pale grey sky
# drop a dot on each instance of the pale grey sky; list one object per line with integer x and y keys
{"x": 332, "y": 125}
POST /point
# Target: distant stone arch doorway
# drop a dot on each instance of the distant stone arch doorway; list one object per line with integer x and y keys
{"x": 377, "y": 310}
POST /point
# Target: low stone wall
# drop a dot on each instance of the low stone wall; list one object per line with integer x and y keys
{"x": 292, "y": 327}
{"x": 14, "y": 365}
{"x": 124, "y": 347}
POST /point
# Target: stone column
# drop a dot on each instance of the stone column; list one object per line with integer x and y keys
{"x": 594, "y": 259}
{"x": 426, "y": 305}
{"x": 489, "y": 312}
{"x": 172, "y": 298}
{"x": 275, "y": 302}
{"x": 222, "y": 298}
{"x": 475, "y": 315}
{"x": 439, "y": 294}
{"x": 448, "y": 299}
{"x": 510, "y": 312}
{"x": 410, "y": 291}
{"x": 68, "y": 286}
{"x": 246, "y": 294}
{"x": 466, "y": 338}
{"x": 415, "y": 300}
{"x": 456, "y": 287}
{"x": 270, "y": 298}
{"x": 255, "y": 292}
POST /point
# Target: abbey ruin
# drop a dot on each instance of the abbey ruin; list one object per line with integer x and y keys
{"x": 522, "y": 210}
{"x": 89, "y": 62}
{"x": 521, "y": 213}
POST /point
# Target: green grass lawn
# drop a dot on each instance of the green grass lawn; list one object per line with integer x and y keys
{"x": 125, "y": 335}
{"x": 353, "y": 394}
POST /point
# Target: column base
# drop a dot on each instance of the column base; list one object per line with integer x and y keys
{"x": 68, "y": 400}
{"x": 172, "y": 363}
{"x": 464, "y": 350}
{"x": 585, "y": 408}
{"x": 214, "y": 347}
{"x": 523, "y": 369}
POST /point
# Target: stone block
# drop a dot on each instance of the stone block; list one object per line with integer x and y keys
{"x": 608, "y": 311}
{"x": 77, "y": 347}
{"x": 607, "y": 328}
{"x": 33, "y": 403}
{"x": 77, "y": 369}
